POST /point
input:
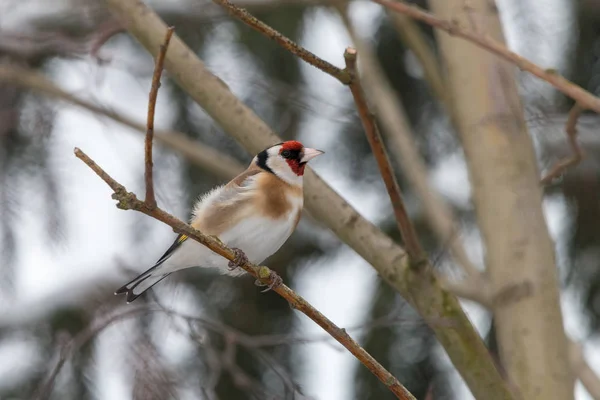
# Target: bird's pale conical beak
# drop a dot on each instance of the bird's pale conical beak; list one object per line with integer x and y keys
{"x": 309, "y": 154}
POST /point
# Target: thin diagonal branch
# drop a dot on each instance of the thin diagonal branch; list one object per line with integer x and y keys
{"x": 129, "y": 201}
{"x": 285, "y": 42}
{"x": 158, "y": 68}
{"x": 409, "y": 234}
{"x": 577, "y": 93}
{"x": 387, "y": 106}
{"x": 571, "y": 129}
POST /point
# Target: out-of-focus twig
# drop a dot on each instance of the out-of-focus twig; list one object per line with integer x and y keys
{"x": 129, "y": 201}
{"x": 471, "y": 288}
{"x": 577, "y": 93}
{"x": 153, "y": 378}
{"x": 33, "y": 47}
{"x": 285, "y": 42}
{"x": 83, "y": 30}
{"x": 224, "y": 166}
{"x": 158, "y": 67}
{"x": 582, "y": 370}
{"x": 413, "y": 38}
{"x": 240, "y": 378}
{"x": 271, "y": 340}
{"x": 409, "y": 234}
{"x": 78, "y": 341}
{"x": 253, "y": 344}
{"x": 105, "y": 31}
{"x": 571, "y": 128}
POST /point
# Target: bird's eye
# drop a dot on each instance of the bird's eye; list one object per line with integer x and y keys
{"x": 285, "y": 153}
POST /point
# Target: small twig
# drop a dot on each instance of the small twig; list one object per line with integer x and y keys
{"x": 45, "y": 390}
{"x": 577, "y": 93}
{"x": 285, "y": 42}
{"x": 409, "y": 234}
{"x": 583, "y": 371}
{"x": 36, "y": 46}
{"x": 105, "y": 31}
{"x": 470, "y": 288}
{"x": 158, "y": 68}
{"x": 238, "y": 375}
{"x": 129, "y": 201}
{"x": 571, "y": 129}
{"x": 471, "y": 15}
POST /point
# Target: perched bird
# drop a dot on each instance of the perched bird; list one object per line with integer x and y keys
{"x": 255, "y": 213}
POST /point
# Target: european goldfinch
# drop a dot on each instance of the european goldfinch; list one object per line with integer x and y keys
{"x": 255, "y": 213}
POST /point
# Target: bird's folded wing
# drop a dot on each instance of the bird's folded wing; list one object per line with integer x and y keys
{"x": 226, "y": 206}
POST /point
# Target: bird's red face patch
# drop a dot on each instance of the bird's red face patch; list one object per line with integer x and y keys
{"x": 291, "y": 151}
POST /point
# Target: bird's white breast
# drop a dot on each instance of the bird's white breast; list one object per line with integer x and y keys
{"x": 258, "y": 236}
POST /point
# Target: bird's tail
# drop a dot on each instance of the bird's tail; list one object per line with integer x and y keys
{"x": 140, "y": 284}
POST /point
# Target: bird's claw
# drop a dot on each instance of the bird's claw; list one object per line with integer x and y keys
{"x": 239, "y": 260}
{"x": 264, "y": 272}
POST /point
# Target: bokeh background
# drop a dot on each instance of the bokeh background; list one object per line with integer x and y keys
{"x": 65, "y": 247}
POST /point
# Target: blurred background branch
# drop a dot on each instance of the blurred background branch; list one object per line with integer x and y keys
{"x": 582, "y": 370}
{"x": 411, "y": 35}
{"x": 224, "y": 166}
{"x": 502, "y": 166}
{"x": 454, "y": 28}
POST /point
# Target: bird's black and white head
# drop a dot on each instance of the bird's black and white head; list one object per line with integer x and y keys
{"x": 286, "y": 160}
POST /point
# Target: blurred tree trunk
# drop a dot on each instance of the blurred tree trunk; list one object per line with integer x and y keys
{"x": 508, "y": 201}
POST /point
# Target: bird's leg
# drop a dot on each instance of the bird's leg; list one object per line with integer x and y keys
{"x": 264, "y": 273}
{"x": 240, "y": 257}
{"x": 239, "y": 260}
